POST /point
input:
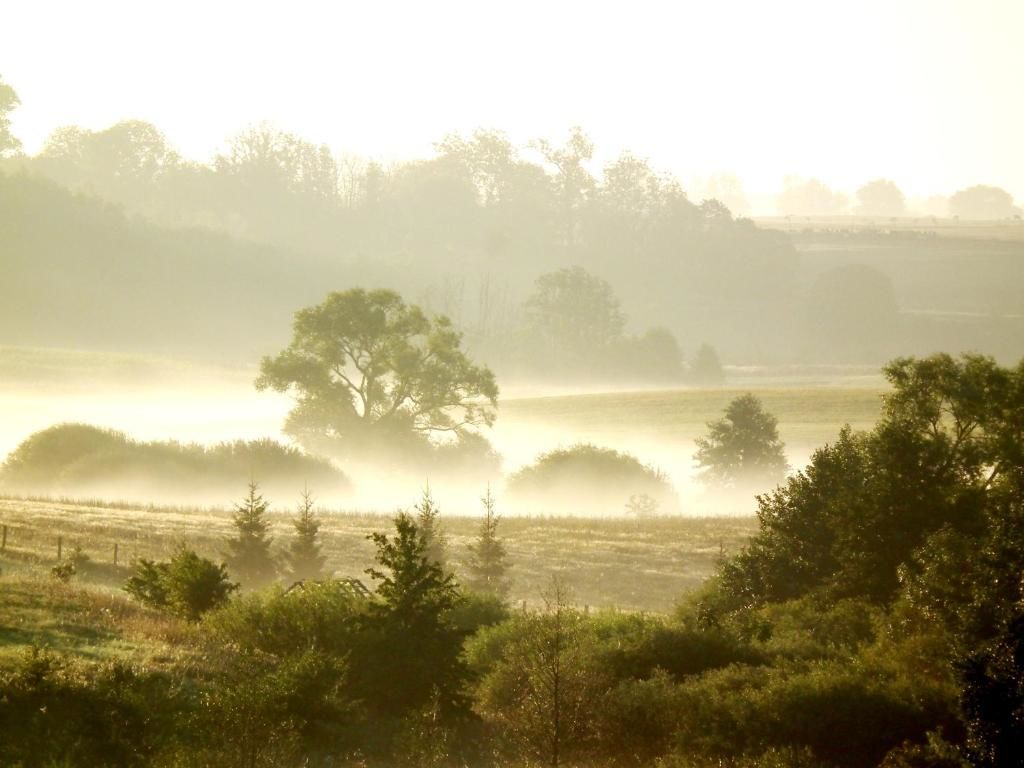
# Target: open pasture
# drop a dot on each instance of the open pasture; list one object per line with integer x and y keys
{"x": 629, "y": 564}
{"x": 808, "y": 416}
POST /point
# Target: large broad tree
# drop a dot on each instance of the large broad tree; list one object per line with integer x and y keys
{"x": 368, "y": 370}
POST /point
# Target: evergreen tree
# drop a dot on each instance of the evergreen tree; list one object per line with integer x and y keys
{"x": 248, "y": 556}
{"x": 434, "y": 540}
{"x": 303, "y": 560}
{"x": 416, "y": 648}
{"x": 488, "y": 563}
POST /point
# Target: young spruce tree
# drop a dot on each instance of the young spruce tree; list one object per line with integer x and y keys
{"x": 248, "y": 556}
{"x": 303, "y": 561}
{"x": 427, "y": 514}
{"x": 488, "y": 562}
{"x": 416, "y": 648}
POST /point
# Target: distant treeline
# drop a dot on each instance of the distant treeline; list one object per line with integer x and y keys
{"x": 213, "y": 258}
{"x": 82, "y": 460}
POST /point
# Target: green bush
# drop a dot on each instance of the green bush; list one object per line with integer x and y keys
{"x": 321, "y": 615}
{"x": 587, "y": 479}
{"x": 846, "y": 715}
{"x": 187, "y": 585}
{"x": 264, "y": 711}
{"x": 55, "y": 712}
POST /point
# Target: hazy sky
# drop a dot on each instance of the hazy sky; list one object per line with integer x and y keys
{"x": 928, "y": 93}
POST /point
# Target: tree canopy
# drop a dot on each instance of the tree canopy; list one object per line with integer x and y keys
{"x": 983, "y": 202}
{"x": 742, "y": 448}
{"x": 365, "y": 366}
{"x": 947, "y": 451}
{"x": 880, "y": 197}
{"x": 588, "y": 479}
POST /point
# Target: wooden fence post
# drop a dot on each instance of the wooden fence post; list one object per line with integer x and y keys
{"x": 115, "y": 553}
{"x": 3, "y": 541}
{"x": 60, "y": 545}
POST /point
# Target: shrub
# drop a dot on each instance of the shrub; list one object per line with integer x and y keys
{"x": 56, "y": 712}
{"x": 845, "y": 715}
{"x": 587, "y": 479}
{"x": 314, "y": 615}
{"x": 187, "y": 585}
{"x": 263, "y": 711}
{"x": 80, "y": 459}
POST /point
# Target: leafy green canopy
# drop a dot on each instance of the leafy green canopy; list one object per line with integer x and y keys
{"x": 187, "y": 585}
{"x": 365, "y": 365}
{"x": 948, "y": 452}
{"x": 587, "y": 477}
{"x": 82, "y": 459}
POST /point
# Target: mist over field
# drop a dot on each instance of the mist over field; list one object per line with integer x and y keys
{"x": 159, "y": 399}
{"x": 462, "y": 385}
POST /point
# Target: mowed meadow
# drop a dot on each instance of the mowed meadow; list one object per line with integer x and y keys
{"x": 636, "y": 565}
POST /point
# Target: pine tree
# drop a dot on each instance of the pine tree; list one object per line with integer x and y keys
{"x": 416, "y": 653}
{"x": 488, "y": 563}
{"x": 434, "y": 540}
{"x": 303, "y": 560}
{"x": 248, "y": 556}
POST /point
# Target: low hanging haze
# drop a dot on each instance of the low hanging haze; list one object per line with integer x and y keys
{"x": 927, "y": 93}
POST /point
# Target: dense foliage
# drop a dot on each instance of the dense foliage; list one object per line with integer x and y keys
{"x": 371, "y": 373}
{"x": 188, "y": 585}
{"x": 587, "y": 478}
{"x": 742, "y": 448}
{"x": 83, "y": 460}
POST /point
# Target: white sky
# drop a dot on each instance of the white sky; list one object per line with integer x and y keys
{"x": 928, "y": 93}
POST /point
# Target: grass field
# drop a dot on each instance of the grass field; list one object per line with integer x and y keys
{"x": 93, "y": 622}
{"x": 808, "y": 416}
{"x": 628, "y": 564}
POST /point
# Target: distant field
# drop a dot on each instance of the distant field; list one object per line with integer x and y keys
{"x": 629, "y": 564}
{"x": 808, "y": 416}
